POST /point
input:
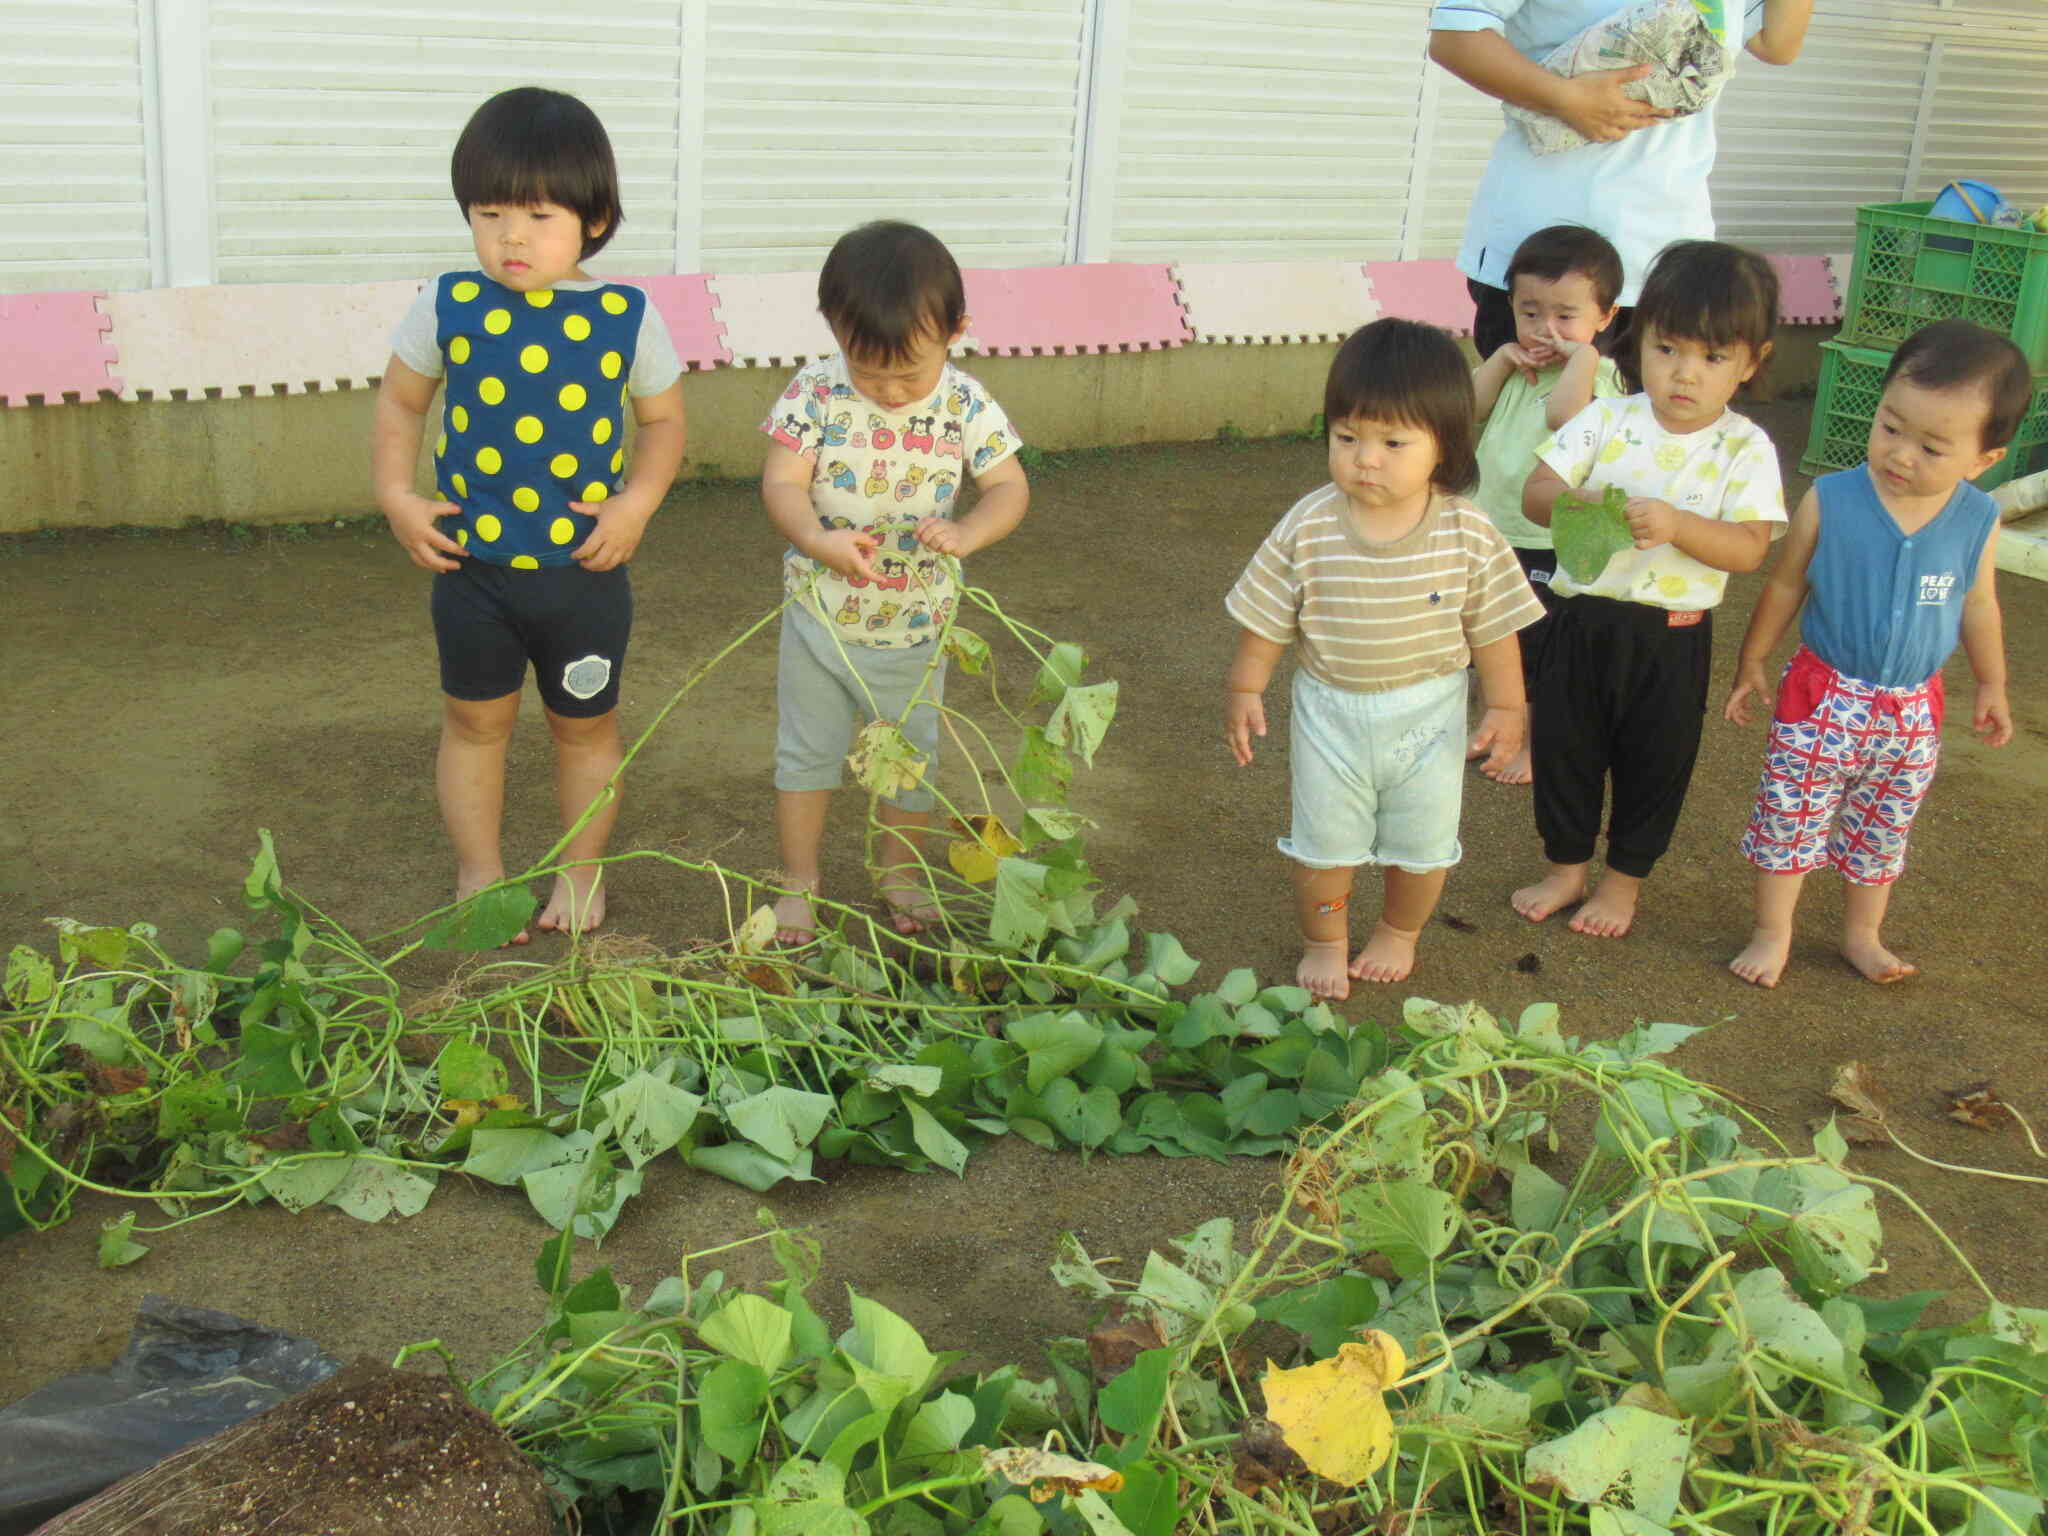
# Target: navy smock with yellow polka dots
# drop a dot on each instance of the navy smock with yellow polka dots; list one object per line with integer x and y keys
{"x": 534, "y": 412}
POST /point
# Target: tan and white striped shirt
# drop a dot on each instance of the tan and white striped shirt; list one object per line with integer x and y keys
{"x": 1372, "y": 617}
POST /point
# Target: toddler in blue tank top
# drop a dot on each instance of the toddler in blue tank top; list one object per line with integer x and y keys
{"x": 537, "y": 505}
{"x": 1893, "y": 563}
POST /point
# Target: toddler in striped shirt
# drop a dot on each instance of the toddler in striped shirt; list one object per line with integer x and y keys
{"x": 1385, "y": 583}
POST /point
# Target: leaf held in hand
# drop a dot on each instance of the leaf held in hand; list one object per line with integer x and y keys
{"x": 1333, "y": 1413}
{"x": 1589, "y": 533}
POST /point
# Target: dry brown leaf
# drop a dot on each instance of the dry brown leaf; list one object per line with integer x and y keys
{"x": 1978, "y": 1105}
{"x": 1856, "y": 1089}
{"x": 1114, "y": 1347}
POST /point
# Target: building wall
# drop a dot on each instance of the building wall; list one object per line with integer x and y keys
{"x": 160, "y": 142}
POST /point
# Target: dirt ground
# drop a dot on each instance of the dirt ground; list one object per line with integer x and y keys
{"x": 167, "y": 695}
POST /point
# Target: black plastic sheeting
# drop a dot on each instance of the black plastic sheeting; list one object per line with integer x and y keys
{"x": 187, "y": 1373}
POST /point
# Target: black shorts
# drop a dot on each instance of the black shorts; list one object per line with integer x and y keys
{"x": 572, "y": 624}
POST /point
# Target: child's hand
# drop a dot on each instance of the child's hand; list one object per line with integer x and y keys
{"x": 620, "y": 524}
{"x": 1521, "y": 359}
{"x": 411, "y": 517}
{"x": 845, "y": 550}
{"x": 1651, "y": 521}
{"x": 1500, "y": 736}
{"x": 1244, "y": 716}
{"x": 1992, "y": 718}
{"x": 1750, "y": 683}
{"x": 942, "y": 536}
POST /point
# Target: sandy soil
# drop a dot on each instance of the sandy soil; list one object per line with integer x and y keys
{"x": 167, "y": 695}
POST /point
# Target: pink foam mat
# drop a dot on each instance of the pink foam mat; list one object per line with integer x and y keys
{"x": 685, "y": 303}
{"x": 255, "y": 336}
{"x": 1432, "y": 291}
{"x": 1274, "y": 301}
{"x": 1806, "y": 290}
{"x": 771, "y": 318}
{"x": 1093, "y": 307}
{"x": 53, "y": 345}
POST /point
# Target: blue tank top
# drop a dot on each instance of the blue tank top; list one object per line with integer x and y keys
{"x": 534, "y": 412}
{"x": 1882, "y": 606}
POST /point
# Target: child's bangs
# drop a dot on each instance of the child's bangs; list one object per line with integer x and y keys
{"x": 1710, "y": 322}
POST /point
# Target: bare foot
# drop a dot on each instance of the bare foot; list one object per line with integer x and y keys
{"x": 1322, "y": 969}
{"x": 1389, "y": 955}
{"x": 1877, "y": 963}
{"x": 1555, "y": 891}
{"x": 1763, "y": 961}
{"x": 1517, "y": 772}
{"x": 911, "y": 908}
{"x": 796, "y": 921}
{"x": 1610, "y": 910}
{"x": 466, "y": 888}
{"x": 577, "y": 905}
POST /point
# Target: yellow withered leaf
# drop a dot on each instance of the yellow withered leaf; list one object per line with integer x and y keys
{"x": 982, "y": 842}
{"x": 1332, "y": 1413}
{"x": 1047, "y": 1473}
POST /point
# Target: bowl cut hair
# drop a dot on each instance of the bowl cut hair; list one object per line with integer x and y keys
{"x": 532, "y": 145}
{"x": 1405, "y": 371}
{"x": 1562, "y": 249}
{"x": 887, "y": 285}
{"x": 1705, "y": 291}
{"x": 1954, "y": 354}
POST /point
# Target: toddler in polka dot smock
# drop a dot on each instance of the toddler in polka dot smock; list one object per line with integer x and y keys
{"x": 536, "y": 508}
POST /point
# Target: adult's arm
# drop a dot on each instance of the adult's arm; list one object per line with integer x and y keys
{"x": 1593, "y": 103}
{"x": 1783, "y": 33}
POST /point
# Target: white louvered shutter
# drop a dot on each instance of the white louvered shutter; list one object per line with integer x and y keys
{"x": 74, "y": 186}
{"x": 333, "y": 121}
{"x": 962, "y": 117}
{"x": 1261, "y": 130}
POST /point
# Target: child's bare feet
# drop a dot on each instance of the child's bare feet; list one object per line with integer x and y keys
{"x": 910, "y": 904}
{"x": 466, "y": 887}
{"x": 1322, "y": 969}
{"x": 1389, "y": 955}
{"x": 577, "y": 905}
{"x": 796, "y": 921}
{"x": 1557, "y": 890}
{"x": 1868, "y": 954}
{"x": 1517, "y": 772}
{"x": 1762, "y": 961}
{"x": 1611, "y": 908}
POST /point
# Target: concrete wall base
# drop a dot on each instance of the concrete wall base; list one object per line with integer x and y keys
{"x": 279, "y": 458}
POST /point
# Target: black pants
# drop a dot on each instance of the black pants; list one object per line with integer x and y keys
{"x": 1621, "y": 695}
{"x": 1539, "y": 565}
{"x": 1493, "y": 320}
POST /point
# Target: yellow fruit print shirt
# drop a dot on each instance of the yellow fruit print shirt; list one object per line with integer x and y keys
{"x": 1728, "y": 471}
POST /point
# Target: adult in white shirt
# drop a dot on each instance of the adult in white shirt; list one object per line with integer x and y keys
{"x": 1642, "y": 182}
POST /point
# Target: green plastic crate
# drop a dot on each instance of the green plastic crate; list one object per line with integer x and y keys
{"x": 1851, "y": 382}
{"x": 1912, "y": 270}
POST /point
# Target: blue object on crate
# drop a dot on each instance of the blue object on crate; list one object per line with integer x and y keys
{"x": 1969, "y": 202}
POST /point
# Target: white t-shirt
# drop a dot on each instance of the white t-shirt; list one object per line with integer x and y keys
{"x": 1728, "y": 471}
{"x": 1641, "y": 192}
{"x": 416, "y": 342}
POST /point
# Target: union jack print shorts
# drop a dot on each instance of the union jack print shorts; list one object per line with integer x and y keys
{"x": 1844, "y": 774}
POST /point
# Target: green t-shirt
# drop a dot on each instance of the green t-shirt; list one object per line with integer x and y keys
{"x": 1508, "y": 444}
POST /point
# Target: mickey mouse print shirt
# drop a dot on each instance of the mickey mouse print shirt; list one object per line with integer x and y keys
{"x": 883, "y": 472}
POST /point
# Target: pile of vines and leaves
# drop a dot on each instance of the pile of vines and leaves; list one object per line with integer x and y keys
{"x": 287, "y": 1064}
{"x": 1442, "y": 1327}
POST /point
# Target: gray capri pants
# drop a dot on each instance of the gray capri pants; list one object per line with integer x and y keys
{"x": 824, "y": 692}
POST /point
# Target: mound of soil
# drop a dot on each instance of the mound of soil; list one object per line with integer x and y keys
{"x": 369, "y": 1452}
